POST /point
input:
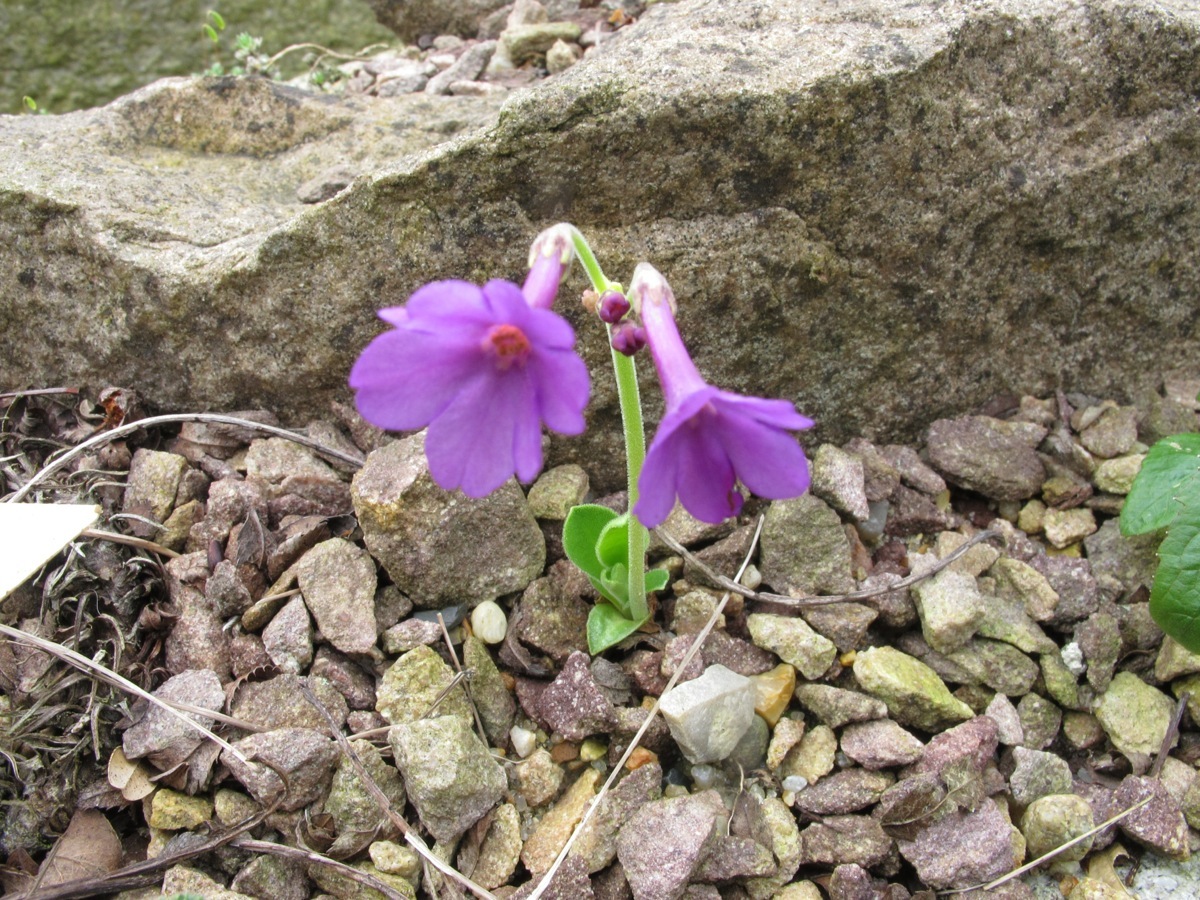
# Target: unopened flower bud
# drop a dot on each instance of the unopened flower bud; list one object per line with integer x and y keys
{"x": 549, "y": 257}
{"x": 628, "y": 338}
{"x": 613, "y": 307}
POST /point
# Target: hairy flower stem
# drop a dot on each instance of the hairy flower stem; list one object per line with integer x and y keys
{"x": 635, "y": 435}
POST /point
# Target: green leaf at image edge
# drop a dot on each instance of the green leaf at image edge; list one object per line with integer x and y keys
{"x": 1175, "y": 596}
{"x": 607, "y": 627}
{"x": 1168, "y": 482}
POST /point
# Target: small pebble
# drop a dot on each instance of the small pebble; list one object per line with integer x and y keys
{"x": 794, "y": 783}
{"x": 489, "y": 622}
{"x": 523, "y": 740}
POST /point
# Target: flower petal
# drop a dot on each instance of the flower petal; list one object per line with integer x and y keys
{"x": 448, "y": 300}
{"x": 656, "y": 484}
{"x": 470, "y": 445}
{"x": 706, "y": 478}
{"x": 404, "y": 380}
{"x": 768, "y": 460}
{"x": 561, "y": 382}
{"x": 775, "y": 413}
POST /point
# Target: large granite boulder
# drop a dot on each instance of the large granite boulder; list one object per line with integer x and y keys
{"x": 885, "y": 213}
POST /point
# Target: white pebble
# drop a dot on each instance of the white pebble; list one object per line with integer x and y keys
{"x": 523, "y": 740}
{"x": 489, "y": 622}
{"x": 794, "y": 783}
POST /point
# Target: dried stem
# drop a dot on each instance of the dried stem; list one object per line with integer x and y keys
{"x": 175, "y": 419}
{"x": 364, "y": 878}
{"x": 868, "y": 594}
{"x": 91, "y": 667}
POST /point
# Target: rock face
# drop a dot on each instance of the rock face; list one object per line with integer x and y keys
{"x": 963, "y": 172}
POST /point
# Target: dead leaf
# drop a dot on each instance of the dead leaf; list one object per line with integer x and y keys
{"x": 131, "y": 778}
{"x": 89, "y": 848}
{"x": 1102, "y": 868}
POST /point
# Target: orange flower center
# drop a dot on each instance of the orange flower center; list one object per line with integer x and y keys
{"x": 508, "y": 344}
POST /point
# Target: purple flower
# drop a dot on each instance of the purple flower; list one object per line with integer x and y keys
{"x": 484, "y": 369}
{"x": 708, "y": 439}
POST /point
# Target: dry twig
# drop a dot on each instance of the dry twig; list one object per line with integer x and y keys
{"x": 174, "y": 419}
{"x": 867, "y": 594}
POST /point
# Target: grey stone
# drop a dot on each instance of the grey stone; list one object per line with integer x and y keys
{"x": 913, "y": 471}
{"x": 837, "y": 706}
{"x": 823, "y": 215}
{"x": 326, "y": 185}
{"x": 288, "y": 637}
{"x": 793, "y": 641}
{"x": 352, "y": 807}
{"x": 573, "y": 704}
{"x": 305, "y": 758}
{"x": 838, "y": 479}
{"x": 1114, "y": 432}
{"x": 279, "y": 702}
{"x": 196, "y": 639}
{"x": 912, "y": 691}
{"x": 1038, "y": 774}
{"x": 467, "y": 67}
{"x": 980, "y": 453}
{"x": 1126, "y": 563}
{"x": 660, "y": 870}
{"x": 880, "y": 745}
{"x": 963, "y": 848}
{"x": 950, "y": 607}
{"x": 440, "y": 547}
{"x": 412, "y": 18}
{"x": 708, "y": 715}
{"x": 271, "y": 876}
{"x": 451, "y": 779}
{"x": 492, "y": 698}
{"x": 804, "y": 548}
{"x": 413, "y": 683}
{"x": 162, "y": 737}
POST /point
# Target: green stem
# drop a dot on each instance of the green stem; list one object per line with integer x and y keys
{"x": 635, "y": 436}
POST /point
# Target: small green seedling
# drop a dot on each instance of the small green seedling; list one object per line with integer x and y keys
{"x": 596, "y": 539}
{"x": 1166, "y": 494}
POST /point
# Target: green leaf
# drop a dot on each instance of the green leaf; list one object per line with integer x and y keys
{"x": 656, "y": 580}
{"x": 1175, "y": 596}
{"x": 211, "y": 32}
{"x": 581, "y": 531}
{"x": 607, "y": 627}
{"x": 30, "y": 103}
{"x": 612, "y": 544}
{"x": 217, "y": 19}
{"x": 614, "y": 585}
{"x": 1168, "y": 481}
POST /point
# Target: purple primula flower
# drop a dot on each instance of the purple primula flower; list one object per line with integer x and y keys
{"x": 708, "y": 439}
{"x": 484, "y": 369}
